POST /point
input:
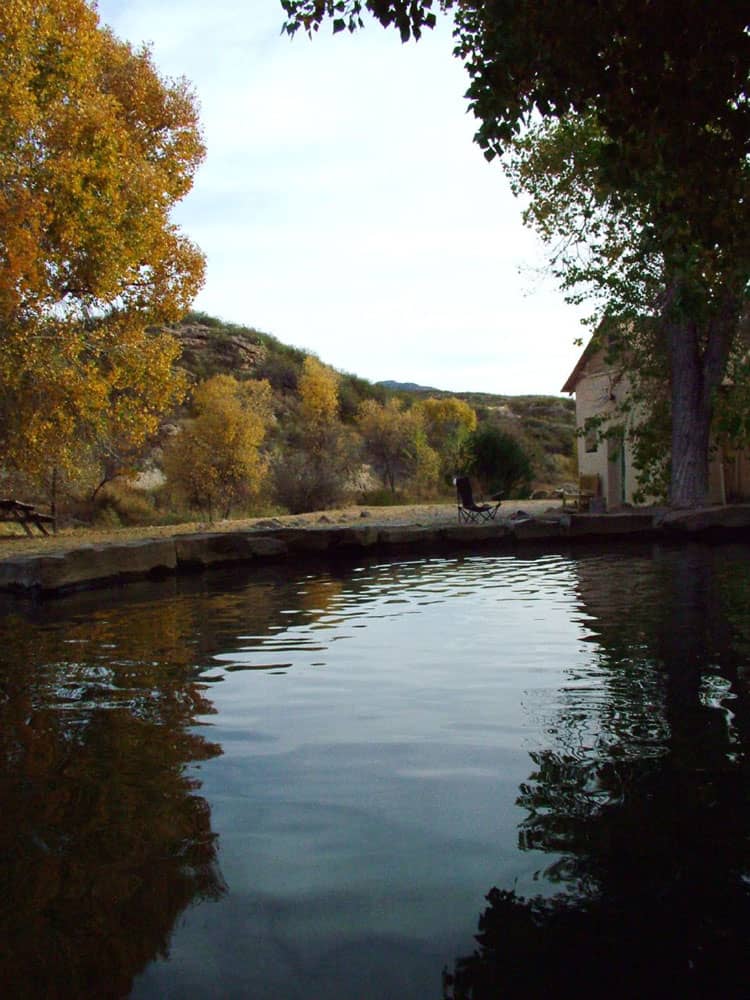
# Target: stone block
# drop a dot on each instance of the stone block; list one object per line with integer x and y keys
{"x": 221, "y": 547}
{"x": 406, "y": 535}
{"x": 708, "y": 519}
{"x": 473, "y": 534}
{"x": 363, "y": 537}
{"x": 307, "y": 539}
{"x": 524, "y": 531}
{"x": 89, "y": 564}
{"x": 597, "y": 525}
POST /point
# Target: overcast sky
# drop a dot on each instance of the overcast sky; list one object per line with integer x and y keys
{"x": 343, "y": 206}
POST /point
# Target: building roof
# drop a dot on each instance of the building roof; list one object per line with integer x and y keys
{"x": 576, "y": 375}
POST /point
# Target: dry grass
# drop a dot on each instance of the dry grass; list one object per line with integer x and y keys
{"x": 13, "y": 542}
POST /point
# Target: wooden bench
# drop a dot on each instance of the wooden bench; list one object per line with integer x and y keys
{"x": 589, "y": 490}
{"x": 24, "y": 514}
{"x": 579, "y": 499}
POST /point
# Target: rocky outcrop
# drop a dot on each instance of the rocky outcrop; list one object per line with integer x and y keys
{"x": 208, "y": 350}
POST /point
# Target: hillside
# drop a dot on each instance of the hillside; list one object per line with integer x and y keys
{"x": 212, "y": 347}
{"x": 544, "y": 424}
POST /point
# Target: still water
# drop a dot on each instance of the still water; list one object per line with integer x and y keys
{"x": 472, "y": 777}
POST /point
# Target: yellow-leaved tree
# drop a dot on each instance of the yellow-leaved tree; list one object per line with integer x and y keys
{"x": 95, "y": 149}
{"x": 397, "y": 447}
{"x": 448, "y": 421}
{"x": 214, "y": 461}
{"x": 319, "y": 394}
{"x": 313, "y": 468}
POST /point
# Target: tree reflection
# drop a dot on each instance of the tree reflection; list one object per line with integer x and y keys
{"x": 104, "y": 839}
{"x": 645, "y": 805}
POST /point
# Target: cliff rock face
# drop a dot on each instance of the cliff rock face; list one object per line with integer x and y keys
{"x": 209, "y": 351}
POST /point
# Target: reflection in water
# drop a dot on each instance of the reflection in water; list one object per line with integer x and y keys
{"x": 357, "y": 742}
{"x": 646, "y": 807}
{"x": 104, "y": 840}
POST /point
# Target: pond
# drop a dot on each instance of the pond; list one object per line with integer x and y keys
{"x": 444, "y": 777}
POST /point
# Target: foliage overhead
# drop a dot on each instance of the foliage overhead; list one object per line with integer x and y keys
{"x": 408, "y": 16}
{"x": 648, "y": 68}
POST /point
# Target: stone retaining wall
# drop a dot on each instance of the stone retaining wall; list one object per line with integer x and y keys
{"x": 98, "y": 565}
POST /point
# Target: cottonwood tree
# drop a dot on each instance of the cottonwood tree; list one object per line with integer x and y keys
{"x": 319, "y": 393}
{"x": 95, "y": 149}
{"x": 448, "y": 422}
{"x": 666, "y": 83}
{"x": 396, "y": 445}
{"x": 214, "y": 461}
{"x": 320, "y": 454}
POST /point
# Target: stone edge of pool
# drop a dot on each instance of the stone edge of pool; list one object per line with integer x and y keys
{"x": 103, "y": 564}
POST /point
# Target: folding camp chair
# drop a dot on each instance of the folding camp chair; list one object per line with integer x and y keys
{"x": 468, "y": 510}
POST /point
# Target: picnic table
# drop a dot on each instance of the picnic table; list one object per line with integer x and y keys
{"x": 580, "y": 499}
{"x": 24, "y": 514}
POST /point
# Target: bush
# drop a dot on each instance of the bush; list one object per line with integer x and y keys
{"x": 498, "y": 461}
{"x": 381, "y": 498}
{"x": 120, "y": 505}
{"x": 302, "y": 484}
{"x": 314, "y": 471}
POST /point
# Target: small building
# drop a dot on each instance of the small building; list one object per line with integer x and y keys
{"x": 599, "y": 387}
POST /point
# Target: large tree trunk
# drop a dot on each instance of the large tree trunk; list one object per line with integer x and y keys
{"x": 691, "y": 420}
{"x": 698, "y": 357}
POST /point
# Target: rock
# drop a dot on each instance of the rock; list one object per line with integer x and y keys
{"x": 89, "y": 564}
{"x": 530, "y": 529}
{"x": 710, "y": 519}
{"x": 221, "y": 547}
{"x": 471, "y": 534}
{"x": 204, "y": 347}
{"x": 519, "y": 515}
{"x": 406, "y": 535}
{"x": 598, "y": 525}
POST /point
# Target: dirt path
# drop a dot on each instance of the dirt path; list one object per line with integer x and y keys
{"x": 14, "y": 543}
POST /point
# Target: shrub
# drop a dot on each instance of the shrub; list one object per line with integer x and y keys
{"x": 119, "y": 504}
{"x": 498, "y": 461}
{"x": 381, "y": 498}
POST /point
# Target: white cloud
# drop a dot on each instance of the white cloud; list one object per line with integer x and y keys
{"x": 343, "y": 206}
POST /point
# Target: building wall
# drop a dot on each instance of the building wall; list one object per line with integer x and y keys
{"x": 729, "y": 477}
{"x": 598, "y": 393}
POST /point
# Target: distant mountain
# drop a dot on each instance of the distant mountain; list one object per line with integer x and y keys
{"x": 406, "y": 386}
